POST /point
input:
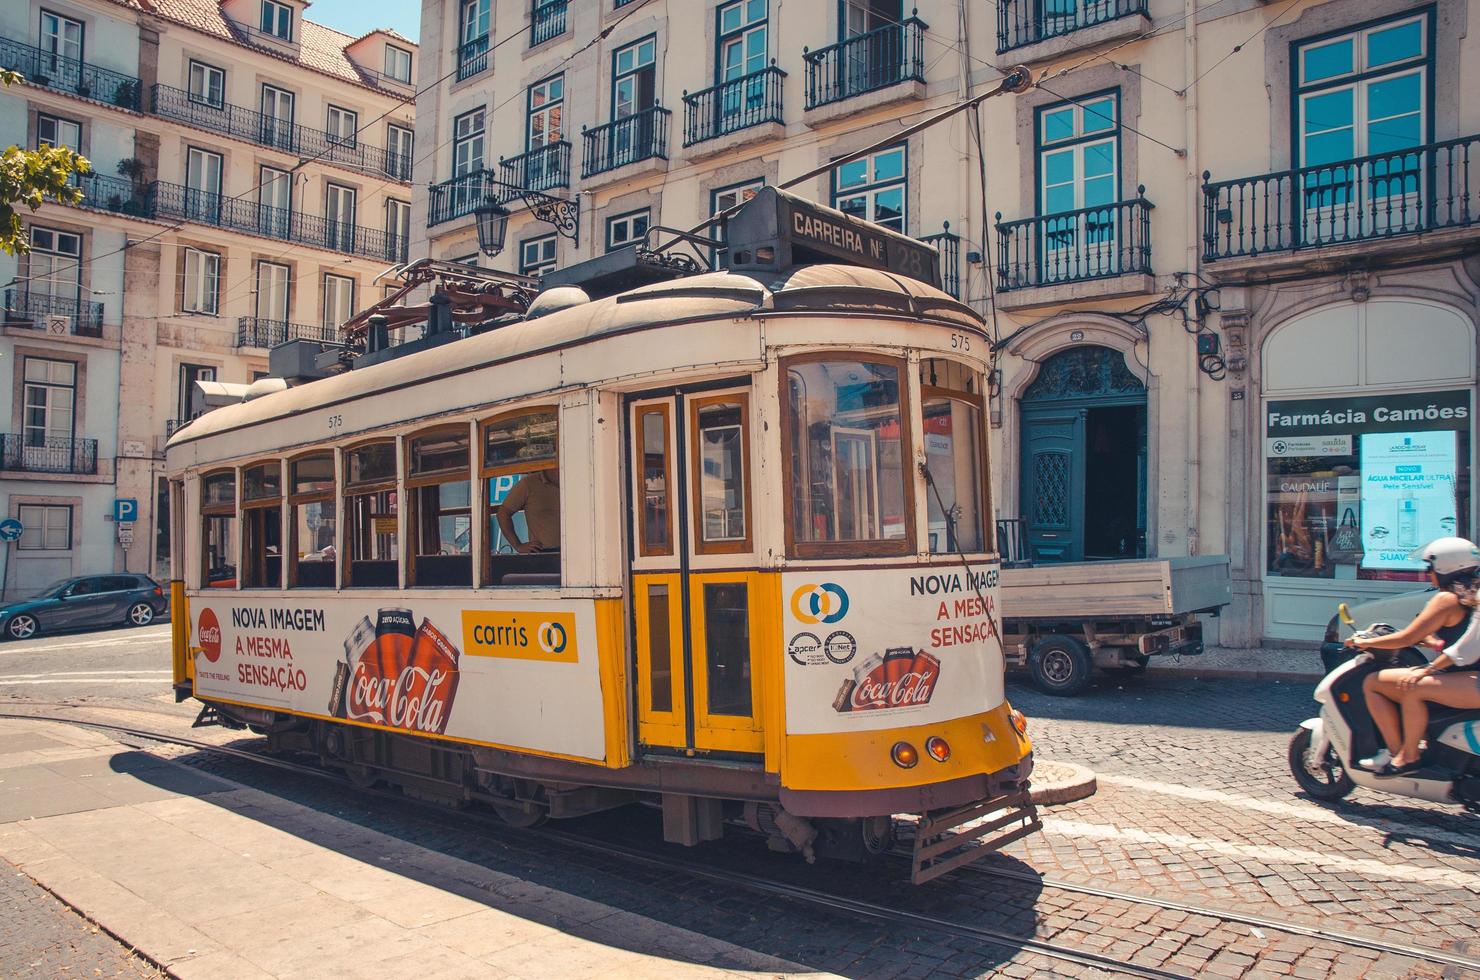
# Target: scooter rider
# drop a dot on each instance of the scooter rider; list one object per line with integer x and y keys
{"x": 1398, "y": 697}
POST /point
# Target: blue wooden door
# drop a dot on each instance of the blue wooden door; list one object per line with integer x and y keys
{"x": 1052, "y": 505}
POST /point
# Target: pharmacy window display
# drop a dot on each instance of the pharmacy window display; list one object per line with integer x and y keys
{"x": 1356, "y": 484}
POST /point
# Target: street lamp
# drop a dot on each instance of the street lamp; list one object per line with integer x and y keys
{"x": 493, "y": 222}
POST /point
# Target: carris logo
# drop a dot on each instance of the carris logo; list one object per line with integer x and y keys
{"x": 209, "y": 632}
{"x": 552, "y": 637}
{"x": 814, "y": 604}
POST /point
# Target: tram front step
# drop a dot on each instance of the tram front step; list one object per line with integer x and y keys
{"x": 948, "y": 839}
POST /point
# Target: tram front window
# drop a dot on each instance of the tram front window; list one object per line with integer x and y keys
{"x": 845, "y": 459}
{"x": 370, "y": 505}
{"x": 521, "y": 474}
{"x": 441, "y": 509}
{"x": 955, "y": 456}
{"x": 218, "y": 514}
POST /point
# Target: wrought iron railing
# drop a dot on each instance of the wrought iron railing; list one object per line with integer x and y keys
{"x": 255, "y": 331}
{"x": 33, "y": 453}
{"x": 734, "y": 105}
{"x": 540, "y": 169}
{"x": 460, "y": 195}
{"x": 116, "y": 194}
{"x": 1023, "y": 22}
{"x": 40, "y": 67}
{"x": 280, "y": 134}
{"x": 54, "y": 314}
{"x": 1071, "y": 246}
{"x": 640, "y": 136}
{"x": 239, "y": 214}
{"x": 472, "y": 57}
{"x": 1381, "y": 195}
{"x": 948, "y": 245}
{"x": 546, "y": 20}
{"x": 883, "y": 57}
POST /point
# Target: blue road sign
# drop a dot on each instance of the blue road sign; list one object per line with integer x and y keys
{"x": 125, "y": 509}
{"x": 10, "y": 529}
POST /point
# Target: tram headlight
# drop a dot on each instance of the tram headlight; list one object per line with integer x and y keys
{"x": 1019, "y": 721}
{"x": 938, "y": 748}
{"x": 905, "y": 755}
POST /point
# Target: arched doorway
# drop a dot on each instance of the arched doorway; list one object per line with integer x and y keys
{"x": 1083, "y": 467}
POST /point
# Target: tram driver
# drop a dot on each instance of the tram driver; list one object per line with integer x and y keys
{"x": 537, "y": 494}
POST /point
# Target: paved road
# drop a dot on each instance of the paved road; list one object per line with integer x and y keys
{"x": 123, "y": 663}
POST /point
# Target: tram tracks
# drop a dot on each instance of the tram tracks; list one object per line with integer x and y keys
{"x": 799, "y": 893}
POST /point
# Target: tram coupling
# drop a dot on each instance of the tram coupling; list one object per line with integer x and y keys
{"x": 947, "y": 839}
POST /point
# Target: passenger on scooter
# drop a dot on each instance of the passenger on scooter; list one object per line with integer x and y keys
{"x": 1398, "y": 697}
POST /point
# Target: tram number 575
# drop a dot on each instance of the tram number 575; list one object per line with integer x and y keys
{"x": 960, "y": 341}
{"x": 336, "y": 422}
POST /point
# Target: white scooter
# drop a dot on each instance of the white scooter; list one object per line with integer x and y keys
{"x": 1323, "y": 748}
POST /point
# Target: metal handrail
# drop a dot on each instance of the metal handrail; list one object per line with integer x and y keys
{"x": 472, "y": 57}
{"x": 107, "y": 193}
{"x": 1381, "y": 195}
{"x": 539, "y": 169}
{"x": 640, "y": 136}
{"x": 737, "y": 104}
{"x": 947, "y": 245}
{"x": 460, "y": 195}
{"x": 24, "y": 306}
{"x": 253, "y": 331}
{"x": 41, "y": 67}
{"x": 1024, "y": 22}
{"x": 1072, "y": 246}
{"x": 48, "y": 454}
{"x": 546, "y": 20}
{"x": 882, "y": 57}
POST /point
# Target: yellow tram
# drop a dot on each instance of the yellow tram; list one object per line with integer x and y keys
{"x": 721, "y": 540}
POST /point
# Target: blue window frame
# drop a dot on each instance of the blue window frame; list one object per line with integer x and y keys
{"x": 875, "y": 188}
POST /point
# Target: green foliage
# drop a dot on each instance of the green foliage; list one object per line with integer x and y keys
{"x": 28, "y": 177}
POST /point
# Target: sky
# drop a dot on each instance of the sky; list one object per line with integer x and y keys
{"x": 355, "y": 17}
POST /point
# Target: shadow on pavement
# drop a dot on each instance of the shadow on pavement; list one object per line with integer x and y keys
{"x": 1186, "y": 702}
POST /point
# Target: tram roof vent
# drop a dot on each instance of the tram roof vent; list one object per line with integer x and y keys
{"x": 555, "y": 299}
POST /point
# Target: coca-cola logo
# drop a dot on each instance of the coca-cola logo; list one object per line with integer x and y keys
{"x": 209, "y": 632}
{"x": 891, "y": 682}
{"x": 412, "y": 699}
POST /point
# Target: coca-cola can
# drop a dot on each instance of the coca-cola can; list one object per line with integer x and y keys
{"x": 359, "y": 640}
{"x": 434, "y": 663}
{"x": 338, "y": 689}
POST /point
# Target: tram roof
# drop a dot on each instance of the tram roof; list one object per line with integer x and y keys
{"x": 824, "y": 289}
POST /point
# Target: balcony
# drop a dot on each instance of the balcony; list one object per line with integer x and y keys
{"x": 31, "y": 453}
{"x": 238, "y": 214}
{"x": 1024, "y": 22}
{"x": 1387, "y": 196}
{"x": 41, "y": 67}
{"x": 56, "y": 315}
{"x": 751, "y": 100}
{"x": 882, "y": 58}
{"x": 1098, "y": 243}
{"x": 472, "y": 57}
{"x": 546, "y": 20}
{"x": 947, "y": 245}
{"x": 253, "y": 331}
{"x": 640, "y": 136}
{"x": 279, "y": 134}
{"x": 540, "y": 169}
{"x": 460, "y": 195}
{"x": 116, "y": 194}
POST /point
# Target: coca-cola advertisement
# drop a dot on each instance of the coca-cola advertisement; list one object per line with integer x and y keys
{"x": 403, "y": 677}
{"x": 899, "y": 678}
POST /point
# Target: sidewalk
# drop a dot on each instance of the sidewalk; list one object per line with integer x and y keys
{"x": 212, "y": 879}
{"x": 1263, "y": 664}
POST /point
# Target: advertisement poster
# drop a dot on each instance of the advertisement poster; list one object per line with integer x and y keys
{"x": 497, "y": 673}
{"x": 881, "y": 649}
{"x": 1408, "y": 494}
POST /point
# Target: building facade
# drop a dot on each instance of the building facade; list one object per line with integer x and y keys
{"x": 250, "y": 181}
{"x": 1230, "y": 265}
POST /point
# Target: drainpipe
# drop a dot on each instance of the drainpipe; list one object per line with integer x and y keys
{"x": 1192, "y": 263}
{"x": 963, "y": 92}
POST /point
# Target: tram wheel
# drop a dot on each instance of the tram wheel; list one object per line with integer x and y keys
{"x": 1060, "y": 665}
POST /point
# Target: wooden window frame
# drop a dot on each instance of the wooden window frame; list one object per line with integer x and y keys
{"x": 701, "y": 547}
{"x": 295, "y": 500}
{"x": 483, "y": 510}
{"x": 877, "y": 548}
{"x": 414, "y": 482}
{"x": 665, "y": 409}
{"x": 364, "y": 488}
{"x": 976, "y": 400}
{"x": 258, "y": 503}
{"x": 209, "y": 510}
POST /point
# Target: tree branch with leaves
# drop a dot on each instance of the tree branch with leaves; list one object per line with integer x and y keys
{"x": 30, "y": 177}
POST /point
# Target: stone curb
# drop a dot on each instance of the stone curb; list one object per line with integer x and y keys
{"x": 1060, "y": 782}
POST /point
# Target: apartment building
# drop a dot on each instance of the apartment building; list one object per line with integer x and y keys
{"x": 1231, "y": 259}
{"x": 250, "y": 181}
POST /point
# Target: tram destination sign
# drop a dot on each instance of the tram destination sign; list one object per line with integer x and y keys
{"x": 775, "y": 230}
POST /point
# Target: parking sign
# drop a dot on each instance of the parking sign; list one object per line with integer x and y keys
{"x": 125, "y": 509}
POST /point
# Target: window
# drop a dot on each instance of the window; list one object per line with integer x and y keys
{"x": 1078, "y": 158}
{"x": 339, "y": 300}
{"x": 521, "y": 472}
{"x": 845, "y": 457}
{"x": 272, "y": 302}
{"x": 342, "y": 125}
{"x": 203, "y": 186}
{"x": 48, "y": 527}
{"x": 472, "y": 51}
{"x": 439, "y": 487}
{"x": 50, "y": 403}
{"x": 723, "y": 200}
{"x": 277, "y": 118}
{"x": 262, "y": 526}
{"x": 207, "y": 84}
{"x": 547, "y": 20}
{"x": 339, "y": 216}
{"x": 52, "y": 131}
{"x": 188, "y": 393}
{"x": 202, "y": 284}
{"x": 218, "y": 516}
{"x": 874, "y": 188}
{"x": 398, "y": 151}
{"x": 397, "y": 63}
{"x": 370, "y": 506}
{"x": 544, "y": 129}
{"x": 61, "y": 36}
{"x": 467, "y": 143}
{"x": 634, "y": 78}
{"x": 627, "y": 229}
{"x": 719, "y": 429}
{"x": 55, "y": 266}
{"x": 312, "y": 522}
{"x": 397, "y": 225}
{"x": 742, "y": 54}
{"x": 277, "y": 20}
{"x": 955, "y": 456}
{"x": 537, "y": 255}
{"x": 1363, "y": 94}
{"x": 274, "y": 201}
{"x": 651, "y": 430}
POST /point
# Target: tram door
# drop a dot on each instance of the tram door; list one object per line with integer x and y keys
{"x": 694, "y": 588}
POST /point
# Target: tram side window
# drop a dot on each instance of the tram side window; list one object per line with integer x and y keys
{"x": 845, "y": 458}
{"x": 218, "y": 517}
{"x": 521, "y": 472}
{"x": 262, "y": 526}
{"x": 955, "y": 457}
{"x": 721, "y": 476}
{"x": 371, "y": 506}
{"x": 312, "y": 522}
{"x": 439, "y": 486}
{"x": 651, "y": 433}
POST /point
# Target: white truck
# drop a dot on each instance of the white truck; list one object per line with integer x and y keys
{"x": 1060, "y": 621}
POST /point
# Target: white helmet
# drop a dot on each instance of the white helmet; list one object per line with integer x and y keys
{"x": 1447, "y": 556}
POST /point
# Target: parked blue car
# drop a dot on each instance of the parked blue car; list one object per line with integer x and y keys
{"x": 121, "y": 599}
